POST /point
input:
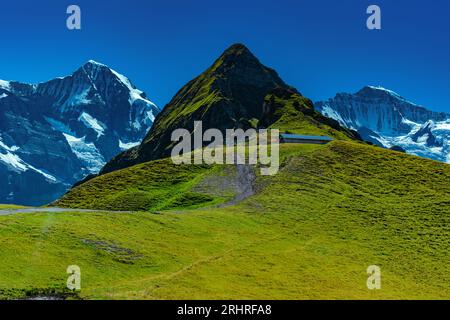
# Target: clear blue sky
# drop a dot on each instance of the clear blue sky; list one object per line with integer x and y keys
{"x": 320, "y": 47}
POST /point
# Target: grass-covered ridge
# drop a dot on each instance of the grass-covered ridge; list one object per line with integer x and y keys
{"x": 292, "y": 113}
{"x": 150, "y": 186}
{"x": 309, "y": 232}
{"x": 10, "y": 206}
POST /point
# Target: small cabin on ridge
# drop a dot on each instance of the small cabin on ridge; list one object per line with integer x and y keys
{"x": 296, "y": 138}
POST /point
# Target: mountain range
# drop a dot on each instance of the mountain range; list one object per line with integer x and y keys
{"x": 386, "y": 119}
{"x": 53, "y": 134}
{"x": 161, "y": 230}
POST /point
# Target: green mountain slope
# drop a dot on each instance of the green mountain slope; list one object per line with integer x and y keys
{"x": 308, "y": 232}
{"x": 151, "y": 186}
{"x": 229, "y": 94}
{"x": 290, "y": 112}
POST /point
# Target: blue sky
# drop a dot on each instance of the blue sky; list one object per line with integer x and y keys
{"x": 320, "y": 47}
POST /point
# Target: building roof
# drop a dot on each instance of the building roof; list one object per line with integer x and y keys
{"x": 302, "y": 137}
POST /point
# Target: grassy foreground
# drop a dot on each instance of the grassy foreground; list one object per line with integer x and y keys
{"x": 309, "y": 232}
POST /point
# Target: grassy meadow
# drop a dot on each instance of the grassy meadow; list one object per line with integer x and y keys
{"x": 309, "y": 232}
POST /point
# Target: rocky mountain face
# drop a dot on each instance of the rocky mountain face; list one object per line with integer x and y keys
{"x": 230, "y": 94}
{"x": 53, "y": 134}
{"x": 383, "y": 117}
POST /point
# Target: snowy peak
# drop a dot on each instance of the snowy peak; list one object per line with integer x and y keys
{"x": 97, "y": 73}
{"x": 100, "y": 94}
{"x": 385, "y": 118}
{"x": 66, "y": 128}
{"x": 93, "y": 68}
{"x": 379, "y": 92}
{"x": 95, "y": 63}
{"x": 378, "y": 109}
{"x": 93, "y": 82}
{"x": 19, "y": 89}
{"x": 5, "y": 85}
{"x": 103, "y": 78}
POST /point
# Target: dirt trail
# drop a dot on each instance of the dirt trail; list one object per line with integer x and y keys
{"x": 245, "y": 179}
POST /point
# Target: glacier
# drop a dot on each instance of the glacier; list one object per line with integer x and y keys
{"x": 86, "y": 152}
{"x": 92, "y": 123}
{"x": 16, "y": 163}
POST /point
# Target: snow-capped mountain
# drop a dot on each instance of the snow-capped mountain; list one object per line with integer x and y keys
{"x": 52, "y": 134}
{"x": 383, "y": 117}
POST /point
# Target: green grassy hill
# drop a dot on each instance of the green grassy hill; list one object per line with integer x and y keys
{"x": 309, "y": 232}
{"x": 150, "y": 186}
{"x": 290, "y": 112}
